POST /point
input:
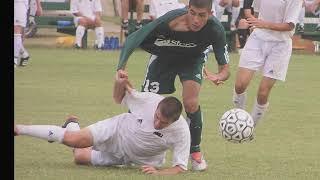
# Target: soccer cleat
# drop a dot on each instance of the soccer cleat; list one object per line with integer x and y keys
{"x": 24, "y": 61}
{"x": 124, "y": 27}
{"x": 197, "y": 162}
{"x": 300, "y": 29}
{"x": 76, "y": 46}
{"x": 69, "y": 119}
{"x": 138, "y": 25}
{"x": 97, "y": 47}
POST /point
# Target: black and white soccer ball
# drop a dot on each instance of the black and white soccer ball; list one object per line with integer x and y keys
{"x": 236, "y": 125}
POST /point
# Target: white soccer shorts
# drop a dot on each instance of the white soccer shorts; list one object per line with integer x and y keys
{"x": 76, "y": 19}
{"x": 270, "y": 57}
{"x": 106, "y": 148}
{"x": 20, "y": 13}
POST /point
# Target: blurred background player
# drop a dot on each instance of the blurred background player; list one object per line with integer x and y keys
{"x": 243, "y": 31}
{"x": 232, "y": 6}
{"x": 300, "y": 23}
{"x": 21, "y": 56}
{"x": 160, "y": 7}
{"x": 87, "y": 16}
{"x": 268, "y": 50}
{"x": 313, "y": 6}
{"x": 125, "y": 4}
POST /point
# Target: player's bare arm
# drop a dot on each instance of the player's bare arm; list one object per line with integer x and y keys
{"x": 120, "y": 85}
{"x": 39, "y": 8}
{"x": 258, "y": 23}
{"x": 166, "y": 171}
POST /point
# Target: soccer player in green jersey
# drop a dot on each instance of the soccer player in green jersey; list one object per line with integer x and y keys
{"x": 176, "y": 42}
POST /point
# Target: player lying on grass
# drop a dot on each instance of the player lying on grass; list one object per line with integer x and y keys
{"x": 141, "y": 137}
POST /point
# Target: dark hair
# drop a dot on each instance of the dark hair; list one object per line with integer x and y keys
{"x": 201, "y": 3}
{"x": 170, "y": 108}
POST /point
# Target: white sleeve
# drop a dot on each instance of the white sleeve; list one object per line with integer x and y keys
{"x": 74, "y": 6}
{"x": 97, "y": 6}
{"x": 181, "y": 149}
{"x": 292, "y": 11}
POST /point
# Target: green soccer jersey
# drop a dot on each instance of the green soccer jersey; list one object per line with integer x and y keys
{"x": 157, "y": 38}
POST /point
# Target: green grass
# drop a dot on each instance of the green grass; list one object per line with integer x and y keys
{"x": 58, "y": 82}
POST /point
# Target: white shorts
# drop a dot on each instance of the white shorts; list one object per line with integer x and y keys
{"x": 20, "y": 13}
{"x": 106, "y": 150}
{"x": 76, "y": 19}
{"x": 270, "y": 57}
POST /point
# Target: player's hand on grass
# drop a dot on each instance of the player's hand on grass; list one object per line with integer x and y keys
{"x": 147, "y": 169}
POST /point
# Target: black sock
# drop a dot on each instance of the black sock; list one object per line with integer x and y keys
{"x": 195, "y": 130}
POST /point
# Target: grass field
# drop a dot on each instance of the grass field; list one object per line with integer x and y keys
{"x": 58, "y": 82}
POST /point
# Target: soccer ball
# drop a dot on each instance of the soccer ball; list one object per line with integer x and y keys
{"x": 236, "y": 125}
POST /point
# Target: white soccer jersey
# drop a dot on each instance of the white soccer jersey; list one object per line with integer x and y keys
{"x": 86, "y": 7}
{"x": 134, "y": 138}
{"x": 160, "y": 7}
{"x": 276, "y": 11}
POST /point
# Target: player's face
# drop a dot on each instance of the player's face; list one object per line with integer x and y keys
{"x": 160, "y": 122}
{"x": 197, "y": 17}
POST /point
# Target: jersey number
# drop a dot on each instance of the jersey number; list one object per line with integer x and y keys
{"x": 154, "y": 86}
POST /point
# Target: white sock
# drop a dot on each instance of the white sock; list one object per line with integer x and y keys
{"x": 73, "y": 126}
{"x": 79, "y": 34}
{"x": 235, "y": 13}
{"x": 17, "y": 45}
{"x": 239, "y": 100}
{"x": 301, "y": 16}
{"x": 46, "y": 132}
{"x": 23, "y": 52}
{"x": 220, "y": 11}
{"x": 100, "y": 36}
{"x": 258, "y": 111}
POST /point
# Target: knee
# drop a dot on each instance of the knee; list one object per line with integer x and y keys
{"x": 239, "y": 87}
{"x": 235, "y": 3}
{"x": 97, "y": 24}
{"x": 191, "y": 105}
{"x": 82, "y": 22}
{"x": 81, "y": 157}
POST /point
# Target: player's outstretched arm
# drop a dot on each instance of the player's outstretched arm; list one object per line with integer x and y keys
{"x": 39, "y": 8}
{"x": 121, "y": 85}
{"x": 258, "y": 23}
{"x": 147, "y": 169}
